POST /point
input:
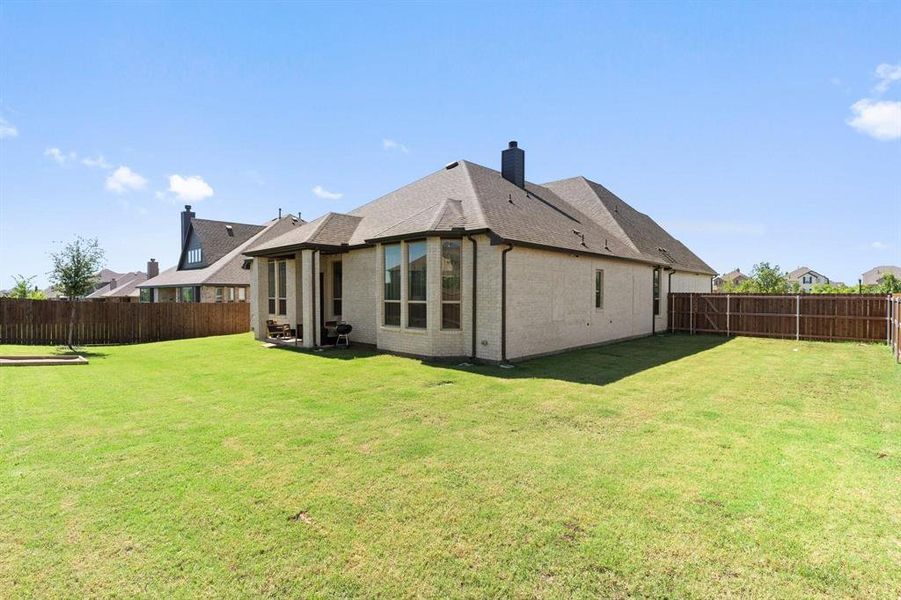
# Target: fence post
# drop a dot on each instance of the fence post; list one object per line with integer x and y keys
{"x": 691, "y": 314}
{"x": 797, "y": 316}
{"x": 728, "y": 324}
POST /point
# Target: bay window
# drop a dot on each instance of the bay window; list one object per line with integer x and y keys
{"x": 392, "y": 285}
{"x": 416, "y": 288}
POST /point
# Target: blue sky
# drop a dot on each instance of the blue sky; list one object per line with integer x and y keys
{"x": 751, "y": 131}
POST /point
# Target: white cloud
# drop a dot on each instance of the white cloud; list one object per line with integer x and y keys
{"x": 323, "y": 193}
{"x": 389, "y": 144}
{"x": 7, "y": 129}
{"x": 887, "y": 75}
{"x": 191, "y": 188}
{"x": 879, "y": 246}
{"x": 59, "y": 156}
{"x": 718, "y": 227}
{"x": 124, "y": 179}
{"x": 879, "y": 119}
{"x": 99, "y": 162}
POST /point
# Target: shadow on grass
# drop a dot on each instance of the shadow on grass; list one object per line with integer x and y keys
{"x": 595, "y": 366}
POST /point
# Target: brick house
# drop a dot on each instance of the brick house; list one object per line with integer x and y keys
{"x": 209, "y": 263}
{"x": 474, "y": 263}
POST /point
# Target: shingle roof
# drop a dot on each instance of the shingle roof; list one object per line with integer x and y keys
{"x": 574, "y": 214}
{"x": 227, "y": 269}
{"x": 801, "y": 271}
{"x": 221, "y": 237}
{"x": 126, "y": 285}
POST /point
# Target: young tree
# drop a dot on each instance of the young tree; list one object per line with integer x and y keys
{"x": 73, "y": 275}
{"x": 23, "y": 290}
{"x": 769, "y": 279}
{"x": 890, "y": 284}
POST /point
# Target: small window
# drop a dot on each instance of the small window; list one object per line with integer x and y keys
{"x": 146, "y": 295}
{"x": 392, "y": 285}
{"x": 271, "y": 274}
{"x": 416, "y": 289}
{"x": 194, "y": 256}
{"x": 450, "y": 283}
{"x": 187, "y": 294}
{"x": 231, "y": 294}
{"x": 336, "y": 288}
{"x": 242, "y": 294}
{"x": 218, "y": 294}
{"x": 599, "y": 289}
{"x": 656, "y": 291}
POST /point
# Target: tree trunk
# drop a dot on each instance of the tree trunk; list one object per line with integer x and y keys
{"x": 71, "y": 324}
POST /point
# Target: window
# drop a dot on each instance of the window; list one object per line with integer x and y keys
{"x": 416, "y": 284}
{"x": 271, "y": 273}
{"x": 195, "y": 256}
{"x": 282, "y": 287}
{"x": 219, "y": 294}
{"x": 599, "y": 289}
{"x": 146, "y": 295}
{"x": 392, "y": 284}
{"x": 336, "y": 288}
{"x": 450, "y": 284}
{"x": 656, "y": 291}
{"x": 187, "y": 294}
{"x": 242, "y": 294}
{"x": 231, "y": 294}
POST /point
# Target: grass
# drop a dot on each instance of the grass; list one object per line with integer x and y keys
{"x": 666, "y": 467}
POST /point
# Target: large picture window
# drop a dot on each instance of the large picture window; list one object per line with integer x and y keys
{"x": 272, "y": 282}
{"x": 336, "y": 288}
{"x": 416, "y": 290}
{"x": 392, "y": 284}
{"x": 599, "y": 289}
{"x": 656, "y": 291}
{"x": 187, "y": 294}
{"x": 450, "y": 283}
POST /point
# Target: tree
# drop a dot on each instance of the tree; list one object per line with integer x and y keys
{"x": 768, "y": 279}
{"x": 23, "y": 290}
{"x": 890, "y": 284}
{"x": 74, "y": 273}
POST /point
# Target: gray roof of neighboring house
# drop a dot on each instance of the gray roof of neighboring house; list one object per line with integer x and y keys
{"x": 801, "y": 271}
{"x": 733, "y": 275}
{"x": 126, "y": 285}
{"x": 574, "y": 214}
{"x": 216, "y": 240}
{"x": 227, "y": 269}
{"x": 873, "y": 276}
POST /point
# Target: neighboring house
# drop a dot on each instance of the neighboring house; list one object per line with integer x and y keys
{"x": 121, "y": 289}
{"x": 472, "y": 262}
{"x": 732, "y": 278}
{"x": 209, "y": 265}
{"x": 806, "y": 278}
{"x": 874, "y": 276}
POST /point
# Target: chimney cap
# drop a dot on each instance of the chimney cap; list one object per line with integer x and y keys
{"x": 513, "y": 144}
{"x": 187, "y": 207}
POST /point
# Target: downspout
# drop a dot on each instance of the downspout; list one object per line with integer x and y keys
{"x": 475, "y": 271}
{"x": 504, "y": 303}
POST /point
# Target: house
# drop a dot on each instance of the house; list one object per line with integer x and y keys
{"x": 102, "y": 280}
{"x": 734, "y": 277}
{"x": 472, "y": 262}
{"x": 123, "y": 288}
{"x": 806, "y": 278}
{"x": 874, "y": 276}
{"x": 209, "y": 264}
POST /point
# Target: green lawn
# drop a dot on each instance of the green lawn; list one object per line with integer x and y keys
{"x": 666, "y": 467}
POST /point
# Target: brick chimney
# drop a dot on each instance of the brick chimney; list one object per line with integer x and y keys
{"x": 153, "y": 268}
{"x": 513, "y": 164}
{"x": 112, "y": 283}
{"x": 186, "y": 217}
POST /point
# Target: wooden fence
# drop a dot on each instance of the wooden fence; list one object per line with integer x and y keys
{"x": 895, "y": 325}
{"x": 47, "y": 321}
{"x": 801, "y": 317}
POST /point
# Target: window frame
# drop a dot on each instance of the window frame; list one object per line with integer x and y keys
{"x": 386, "y": 273}
{"x": 655, "y": 292}
{"x": 272, "y": 286}
{"x": 599, "y": 289}
{"x": 282, "y": 289}
{"x": 220, "y": 294}
{"x": 418, "y": 303}
{"x": 242, "y": 294}
{"x": 458, "y": 273}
